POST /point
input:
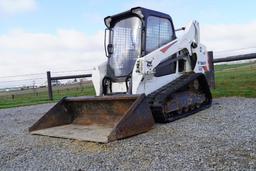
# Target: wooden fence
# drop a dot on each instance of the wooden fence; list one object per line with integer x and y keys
{"x": 210, "y": 75}
{"x": 50, "y": 79}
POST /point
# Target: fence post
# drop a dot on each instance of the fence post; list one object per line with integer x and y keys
{"x": 211, "y": 76}
{"x": 49, "y": 82}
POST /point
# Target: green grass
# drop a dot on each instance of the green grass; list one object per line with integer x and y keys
{"x": 231, "y": 80}
{"x": 235, "y": 80}
{"x": 32, "y": 98}
{"x": 225, "y": 67}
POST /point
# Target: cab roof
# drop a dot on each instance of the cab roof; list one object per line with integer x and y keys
{"x": 140, "y": 12}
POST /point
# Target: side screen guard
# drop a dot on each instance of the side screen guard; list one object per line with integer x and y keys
{"x": 108, "y": 42}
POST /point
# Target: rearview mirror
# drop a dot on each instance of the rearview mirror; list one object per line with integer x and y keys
{"x": 108, "y": 42}
{"x": 110, "y": 49}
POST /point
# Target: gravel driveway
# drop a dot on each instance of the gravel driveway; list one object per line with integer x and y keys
{"x": 222, "y": 137}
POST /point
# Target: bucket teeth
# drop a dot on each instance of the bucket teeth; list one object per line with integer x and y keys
{"x": 99, "y": 119}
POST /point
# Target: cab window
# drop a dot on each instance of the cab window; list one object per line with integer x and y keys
{"x": 159, "y": 32}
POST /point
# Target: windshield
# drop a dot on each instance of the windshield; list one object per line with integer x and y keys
{"x": 126, "y": 46}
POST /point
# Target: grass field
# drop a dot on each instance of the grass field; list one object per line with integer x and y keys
{"x": 231, "y": 80}
{"x": 41, "y": 96}
{"x": 235, "y": 80}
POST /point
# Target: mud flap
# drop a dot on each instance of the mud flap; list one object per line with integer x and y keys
{"x": 99, "y": 119}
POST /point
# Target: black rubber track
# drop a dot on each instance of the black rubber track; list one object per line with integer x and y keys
{"x": 158, "y": 98}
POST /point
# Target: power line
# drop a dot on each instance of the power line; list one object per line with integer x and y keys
{"x": 233, "y": 50}
{"x": 22, "y": 80}
{"x": 73, "y": 71}
{"x": 23, "y": 75}
{"x": 26, "y": 75}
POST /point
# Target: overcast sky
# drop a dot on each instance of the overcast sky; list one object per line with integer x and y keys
{"x": 63, "y": 35}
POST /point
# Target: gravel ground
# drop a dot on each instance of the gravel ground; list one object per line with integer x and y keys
{"x": 220, "y": 138}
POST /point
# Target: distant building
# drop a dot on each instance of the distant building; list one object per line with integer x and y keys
{"x": 13, "y": 89}
{"x": 56, "y": 83}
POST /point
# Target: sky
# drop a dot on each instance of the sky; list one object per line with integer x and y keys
{"x": 63, "y": 35}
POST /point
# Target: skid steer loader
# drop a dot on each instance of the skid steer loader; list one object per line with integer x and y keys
{"x": 150, "y": 76}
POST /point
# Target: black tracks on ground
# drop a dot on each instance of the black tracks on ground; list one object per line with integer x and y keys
{"x": 158, "y": 98}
